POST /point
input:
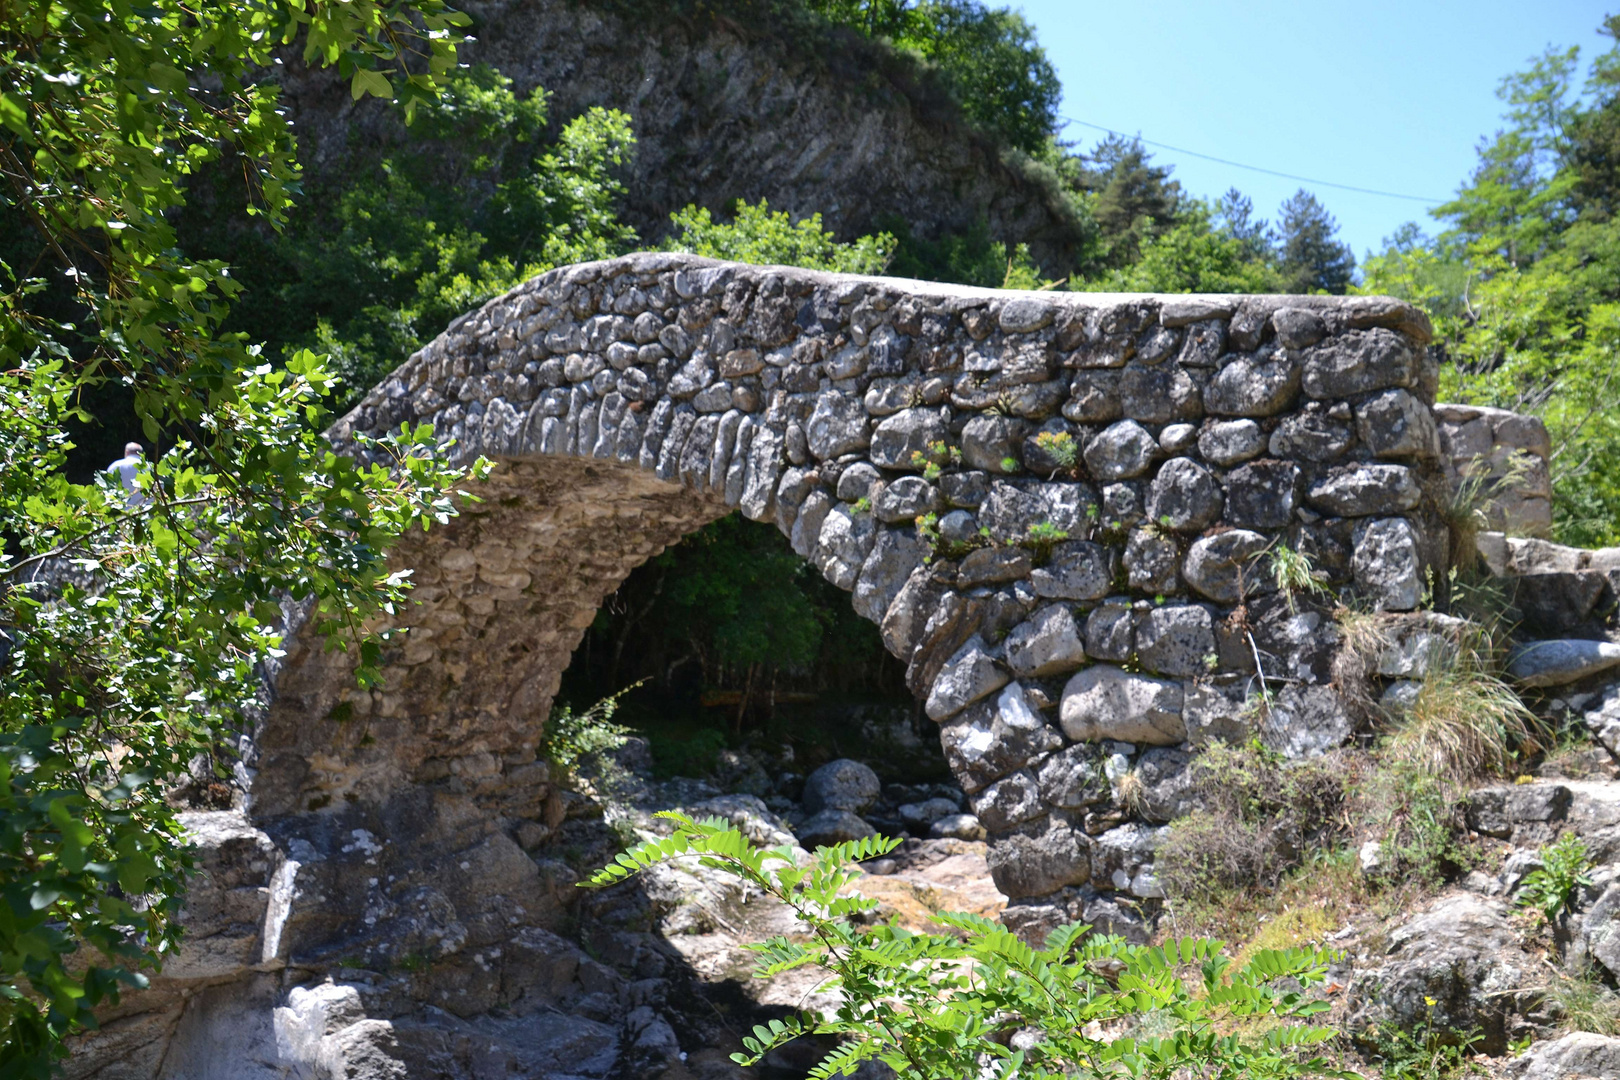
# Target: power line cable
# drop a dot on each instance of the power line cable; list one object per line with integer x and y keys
{"x": 1253, "y": 168}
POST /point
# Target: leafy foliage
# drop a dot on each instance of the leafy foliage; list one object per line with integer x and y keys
{"x": 466, "y": 202}
{"x": 933, "y": 1005}
{"x": 756, "y": 235}
{"x": 1426, "y": 1052}
{"x": 1523, "y": 284}
{"x": 988, "y": 56}
{"x": 132, "y": 623}
{"x": 1135, "y": 202}
{"x": 572, "y": 737}
{"x": 1196, "y": 255}
{"x": 1551, "y": 888}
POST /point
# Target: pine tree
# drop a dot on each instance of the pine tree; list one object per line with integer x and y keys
{"x": 1593, "y": 139}
{"x": 1235, "y": 215}
{"x": 1310, "y": 256}
{"x": 1136, "y": 201}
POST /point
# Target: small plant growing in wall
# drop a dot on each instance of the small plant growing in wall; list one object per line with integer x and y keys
{"x": 1062, "y": 449}
{"x": 1293, "y": 574}
{"x": 936, "y": 459}
{"x": 928, "y": 529}
{"x": 941, "y": 1005}
{"x": 1042, "y": 537}
{"x": 942, "y": 546}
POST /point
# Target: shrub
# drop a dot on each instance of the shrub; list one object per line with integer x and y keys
{"x": 1260, "y": 817}
{"x": 572, "y": 737}
{"x": 946, "y": 1005}
{"x": 1418, "y": 820}
{"x": 758, "y": 235}
{"x": 1426, "y": 1052}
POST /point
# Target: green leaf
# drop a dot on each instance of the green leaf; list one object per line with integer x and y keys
{"x": 13, "y": 115}
{"x": 370, "y": 82}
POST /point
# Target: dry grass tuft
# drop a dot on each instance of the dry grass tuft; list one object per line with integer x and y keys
{"x": 1465, "y": 721}
{"x": 1584, "y": 1003}
{"x": 1464, "y": 512}
{"x": 1131, "y": 792}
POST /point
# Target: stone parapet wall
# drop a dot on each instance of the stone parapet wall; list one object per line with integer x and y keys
{"x": 1507, "y": 453}
{"x": 1061, "y": 509}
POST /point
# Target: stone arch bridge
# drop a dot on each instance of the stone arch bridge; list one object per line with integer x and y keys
{"x": 1097, "y": 475}
{"x": 1100, "y": 478}
{"x": 1099, "y": 481}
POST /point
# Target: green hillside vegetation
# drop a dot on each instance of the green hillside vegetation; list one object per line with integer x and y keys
{"x": 1523, "y": 280}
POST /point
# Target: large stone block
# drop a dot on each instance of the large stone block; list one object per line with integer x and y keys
{"x": 1105, "y": 702}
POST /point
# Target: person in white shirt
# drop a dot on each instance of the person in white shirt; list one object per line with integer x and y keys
{"x": 128, "y": 470}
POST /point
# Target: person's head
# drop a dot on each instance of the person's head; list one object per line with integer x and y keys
{"x": 133, "y": 449}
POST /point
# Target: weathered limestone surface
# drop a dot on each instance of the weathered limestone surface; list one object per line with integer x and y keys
{"x": 1491, "y": 446}
{"x": 1125, "y": 464}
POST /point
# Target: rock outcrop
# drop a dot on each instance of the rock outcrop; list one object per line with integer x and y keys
{"x": 741, "y": 101}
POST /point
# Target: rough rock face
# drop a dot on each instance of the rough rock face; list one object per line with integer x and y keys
{"x": 1577, "y": 1056}
{"x": 1492, "y": 444}
{"x": 398, "y": 819}
{"x": 731, "y": 107}
{"x": 1463, "y": 955}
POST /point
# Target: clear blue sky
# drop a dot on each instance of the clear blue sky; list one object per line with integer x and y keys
{"x": 1371, "y": 93}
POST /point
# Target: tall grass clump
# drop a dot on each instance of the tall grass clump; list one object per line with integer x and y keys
{"x": 1465, "y": 510}
{"x": 1465, "y": 720}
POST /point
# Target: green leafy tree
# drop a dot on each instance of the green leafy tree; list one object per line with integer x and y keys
{"x": 471, "y": 198}
{"x": 1524, "y": 282}
{"x": 943, "y": 1004}
{"x": 969, "y": 257}
{"x": 1309, "y": 257}
{"x": 1196, "y": 255}
{"x": 988, "y": 56}
{"x": 132, "y": 623}
{"x": 757, "y": 235}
